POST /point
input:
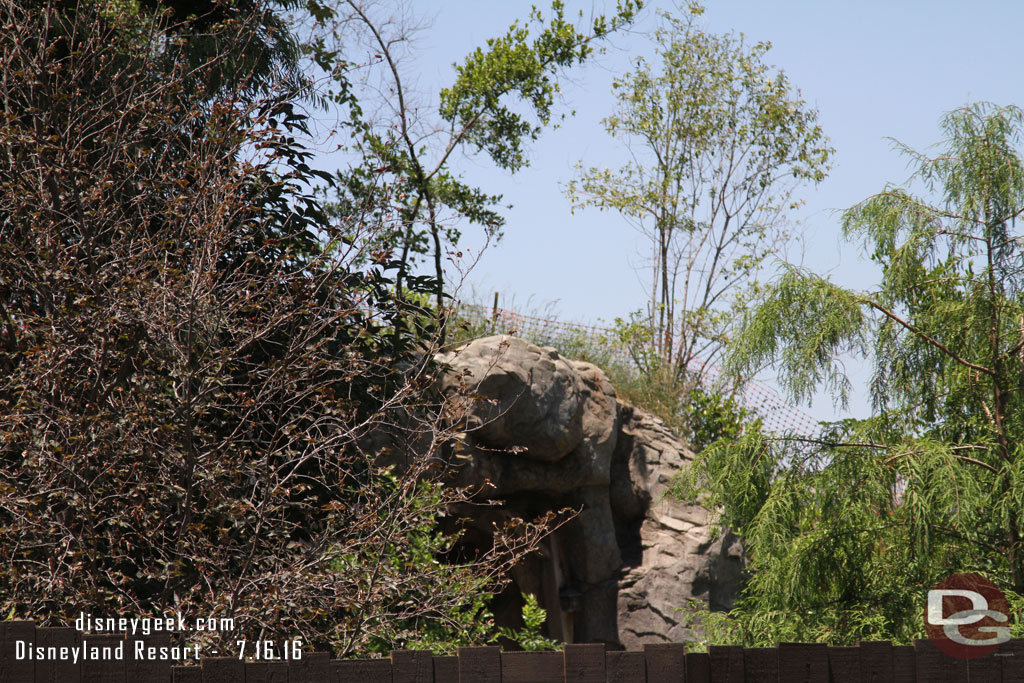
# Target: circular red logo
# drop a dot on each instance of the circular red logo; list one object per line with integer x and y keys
{"x": 967, "y": 616}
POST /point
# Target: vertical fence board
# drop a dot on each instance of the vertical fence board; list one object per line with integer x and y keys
{"x": 313, "y": 667}
{"x": 59, "y": 669}
{"x": 584, "y": 663}
{"x": 11, "y": 668}
{"x": 223, "y": 670}
{"x": 146, "y": 665}
{"x": 760, "y": 665}
{"x": 803, "y": 663}
{"x": 929, "y": 663}
{"x": 1011, "y": 656}
{"x": 844, "y": 664}
{"x": 726, "y": 663}
{"x": 446, "y": 670}
{"x": 412, "y": 666}
{"x": 256, "y": 672}
{"x": 904, "y": 669}
{"x": 987, "y": 668}
{"x": 666, "y": 662}
{"x": 935, "y": 666}
{"x": 532, "y": 667}
{"x": 876, "y": 662}
{"x": 186, "y": 674}
{"x": 277, "y": 672}
{"x": 625, "y": 667}
{"x": 101, "y": 666}
{"x": 698, "y": 667}
{"x": 363, "y": 671}
{"x": 481, "y": 664}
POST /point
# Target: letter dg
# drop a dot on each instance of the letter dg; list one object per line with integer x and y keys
{"x": 979, "y": 607}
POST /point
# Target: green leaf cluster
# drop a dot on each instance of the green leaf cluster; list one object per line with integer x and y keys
{"x": 501, "y": 99}
{"x": 719, "y": 142}
{"x": 846, "y": 532}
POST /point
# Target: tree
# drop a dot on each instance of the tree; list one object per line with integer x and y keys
{"x": 191, "y": 381}
{"x": 719, "y": 143}
{"x": 846, "y": 533}
{"x": 408, "y": 151}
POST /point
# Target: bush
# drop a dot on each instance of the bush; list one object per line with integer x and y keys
{"x": 190, "y": 381}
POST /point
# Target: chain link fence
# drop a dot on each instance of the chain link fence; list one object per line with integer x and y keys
{"x": 595, "y": 343}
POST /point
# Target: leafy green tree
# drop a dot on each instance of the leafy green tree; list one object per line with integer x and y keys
{"x": 225, "y": 45}
{"x": 407, "y": 152}
{"x": 846, "y": 533}
{"x": 719, "y": 143}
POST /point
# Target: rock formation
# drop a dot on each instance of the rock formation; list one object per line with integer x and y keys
{"x": 549, "y": 433}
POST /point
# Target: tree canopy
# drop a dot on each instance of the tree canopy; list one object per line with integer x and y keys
{"x": 719, "y": 143}
{"x": 847, "y": 532}
{"x": 501, "y": 98}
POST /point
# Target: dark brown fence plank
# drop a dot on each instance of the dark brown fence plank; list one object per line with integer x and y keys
{"x": 532, "y": 667}
{"x": 145, "y": 664}
{"x": 11, "y": 668}
{"x": 412, "y": 666}
{"x": 726, "y": 663}
{"x": 876, "y": 662}
{"x": 934, "y": 666}
{"x": 223, "y": 670}
{"x": 1011, "y": 655}
{"x": 446, "y": 670}
{"x": 277, "y": 672}
{"x": 584, "y": 663}
{"x": 904, "y": 667}
{"x": 363, "y": 670}
{"x": 625, "y": 667}
{"x": 313, "y": 667}
{"x": 983, "y": 669}
{"x": 256, "y": 672}
{"x": 844, "y": 664}
{"x": 698, "y": 667}
{"x": 280, "y": 672}
{"x": 803, "y": 663}
{"x": 99, "y": 663}
{"x": 481, "y": 664}
{"x": 62, "y": 668}
{"x": 666, "y": 662}
{"x": 186, "y": 674}
{"x": 760, "y": 665}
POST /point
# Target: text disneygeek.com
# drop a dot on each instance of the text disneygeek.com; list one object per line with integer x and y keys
{"x": 288, "y": 649}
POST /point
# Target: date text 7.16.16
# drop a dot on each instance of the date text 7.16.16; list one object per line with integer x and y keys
{"x": 270, "y": 650}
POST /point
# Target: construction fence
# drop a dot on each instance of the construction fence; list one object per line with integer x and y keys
{"x": 571, "y": 339}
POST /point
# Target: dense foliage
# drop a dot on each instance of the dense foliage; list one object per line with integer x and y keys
{"x": 195, "y": 370}
{"x": 719, "y": 142}
{"x": 846, "y": 533}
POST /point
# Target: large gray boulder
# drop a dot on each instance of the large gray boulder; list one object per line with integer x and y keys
{"x": 547, "y": 433}
{"x": 532, "y": 396}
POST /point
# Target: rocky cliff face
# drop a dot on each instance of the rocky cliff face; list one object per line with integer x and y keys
{"x": 548, "y": 433}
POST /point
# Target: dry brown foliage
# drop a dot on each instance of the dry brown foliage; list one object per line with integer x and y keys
{"x": 187, "y": 375}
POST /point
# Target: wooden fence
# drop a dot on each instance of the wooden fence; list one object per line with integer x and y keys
{"x": 788, "y": 663}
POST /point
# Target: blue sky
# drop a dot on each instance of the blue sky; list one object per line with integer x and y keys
{"x": 873, "y": 69}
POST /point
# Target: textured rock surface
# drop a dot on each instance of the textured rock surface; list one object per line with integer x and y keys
{"x": 669, "y": 552}
{"x": 549, "y": 433}
{"x": 535, "y": 396}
